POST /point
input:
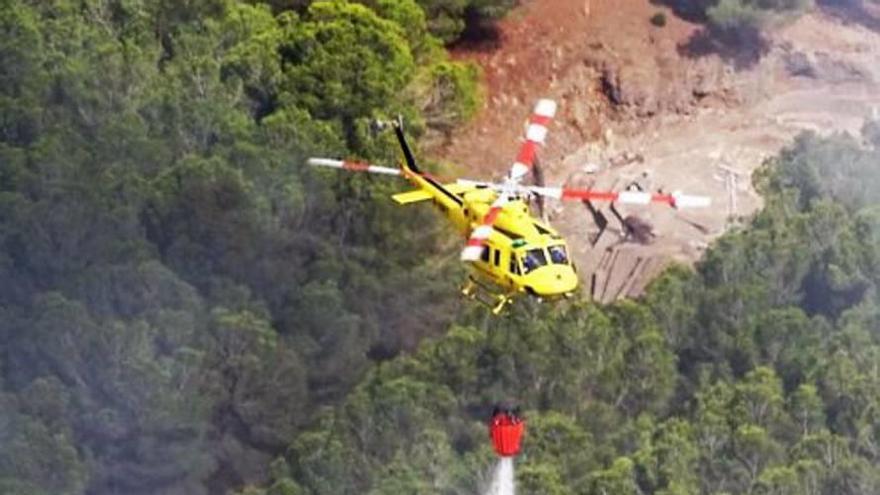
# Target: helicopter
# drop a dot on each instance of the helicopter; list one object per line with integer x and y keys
{"x": 511, "y": 251}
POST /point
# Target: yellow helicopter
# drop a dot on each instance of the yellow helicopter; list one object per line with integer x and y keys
{"x": 511, "y": 251}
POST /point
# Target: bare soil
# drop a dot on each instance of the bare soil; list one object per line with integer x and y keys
{"x": 654, "y": 104}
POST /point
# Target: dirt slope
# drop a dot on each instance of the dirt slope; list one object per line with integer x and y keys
{"x": 628, "y": 89}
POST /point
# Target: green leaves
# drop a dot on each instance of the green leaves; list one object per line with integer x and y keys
{"x": 186, "y": 308}
{"x": 556, "y": 444}
{"x": 736, "y": 18}
{"x": 174, "y": 279}
{"x": 448, "y": 93}
{"x": 343, "y": 61}
{"x": 252, "y": 38}
{"x": 447, "y": 19}
{"x": 617, "y": 478}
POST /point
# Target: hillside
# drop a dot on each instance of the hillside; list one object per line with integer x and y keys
{"x": 754, "y": 374}
{"x": 650, "y": 103}
{"x": 186, "y": 308}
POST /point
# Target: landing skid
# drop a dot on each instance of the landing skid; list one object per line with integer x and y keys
{"x": 485, "y": 294}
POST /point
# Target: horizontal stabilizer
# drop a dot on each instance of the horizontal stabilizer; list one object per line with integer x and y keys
{"x": 408, "y": 197}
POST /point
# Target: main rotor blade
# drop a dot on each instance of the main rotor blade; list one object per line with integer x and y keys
{"x": 475, "y": 244}
{"x": 352, "y": 166}
{"x": 676, "y": 199}
{"x": 687, "y": 201}
{"x": 536, "y": 133}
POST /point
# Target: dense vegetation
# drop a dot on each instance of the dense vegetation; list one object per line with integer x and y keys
{"x": 756, "y": 374}
{"x": 178, "y": 294}
{"x": 446, "y": 19}
{"x": 186, "y": 309}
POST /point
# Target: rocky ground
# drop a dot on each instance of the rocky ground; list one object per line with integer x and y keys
{"x": 663, "y": 106}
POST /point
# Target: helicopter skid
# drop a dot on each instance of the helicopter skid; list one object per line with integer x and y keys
{"x": 486, "y": 294}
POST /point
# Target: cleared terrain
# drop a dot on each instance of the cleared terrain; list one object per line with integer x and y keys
{"x": 661, "y": 106}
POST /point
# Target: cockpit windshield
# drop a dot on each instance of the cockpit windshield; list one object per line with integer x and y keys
{"x": 532, "y": 259}
{"x": 558, "y": 255}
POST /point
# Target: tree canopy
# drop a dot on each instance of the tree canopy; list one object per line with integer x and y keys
{"x": 185, "y": 308}
{"x": 179, "y": 294}
{"x": 753, "y": 374}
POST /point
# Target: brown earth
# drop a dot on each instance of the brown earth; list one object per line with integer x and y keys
{"x": 657, "y": 105}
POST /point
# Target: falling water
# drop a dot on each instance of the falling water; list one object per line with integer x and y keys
{"x": 502, "y": 479}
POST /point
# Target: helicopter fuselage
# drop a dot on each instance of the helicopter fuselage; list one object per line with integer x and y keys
{"x": 522, "y": 254}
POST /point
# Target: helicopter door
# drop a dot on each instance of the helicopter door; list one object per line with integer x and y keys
{"x": 501, "y": 268}
{"x": 484, "y": 257}
{"x": 513, "y": 269}
{"x": 492, "y": 259}
{"x": 486, "y": 262}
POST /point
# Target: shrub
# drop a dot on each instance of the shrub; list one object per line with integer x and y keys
{"x": 734, "y": 17}
{"x": 658, "y": 19}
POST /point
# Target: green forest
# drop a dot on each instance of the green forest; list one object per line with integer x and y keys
{"x": 186, "y": 308}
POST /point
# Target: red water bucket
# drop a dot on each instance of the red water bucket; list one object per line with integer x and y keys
{"x": 506, "y": 431}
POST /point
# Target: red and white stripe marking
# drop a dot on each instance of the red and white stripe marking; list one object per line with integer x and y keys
{"x": 353, "y": 166}
{"x": 686, "y": 201}
{"x": 536, "y": 133}
{"x": 676, "y": 199}
{"x": 475, "y": 244}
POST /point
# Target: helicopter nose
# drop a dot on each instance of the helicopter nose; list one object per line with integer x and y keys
{"x": 554, "y": 280}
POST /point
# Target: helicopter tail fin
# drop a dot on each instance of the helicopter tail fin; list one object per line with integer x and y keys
{"x": 409, "y": 163}
{"x": 410, "y": 168}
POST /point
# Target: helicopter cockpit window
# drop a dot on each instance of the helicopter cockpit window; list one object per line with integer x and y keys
{"x": 484, "y": 257}
{"x": 514, "y": 266}
{"x": 558, "y": 255}
{"x": 533, "y": 258}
